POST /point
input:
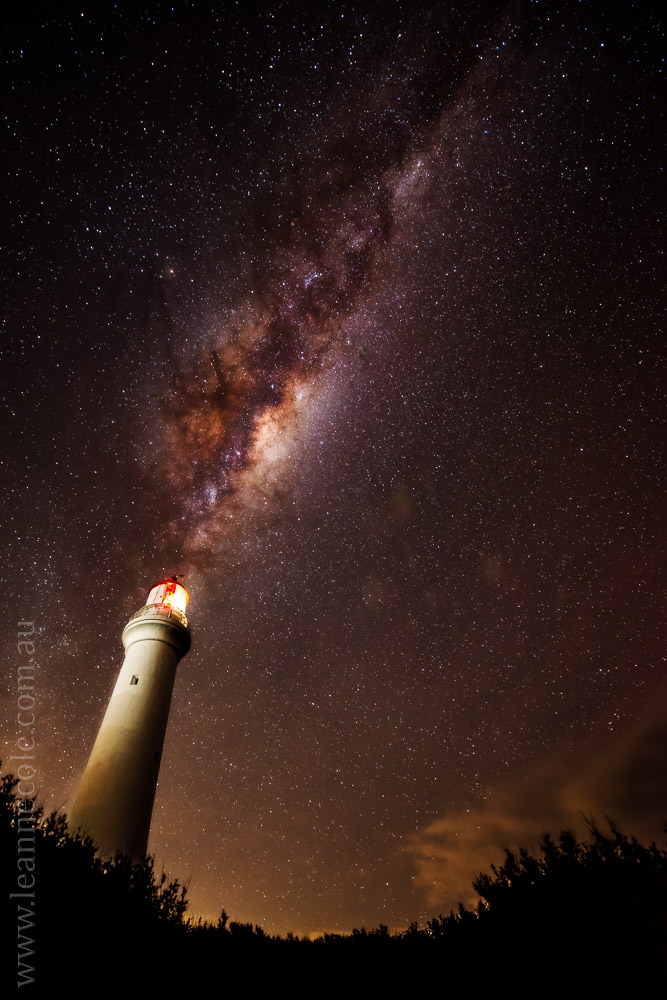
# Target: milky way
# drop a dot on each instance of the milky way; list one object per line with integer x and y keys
{"x": 338, "y": 214}
{"x": 351, "y": 316}
{"x": 279, "y": 342}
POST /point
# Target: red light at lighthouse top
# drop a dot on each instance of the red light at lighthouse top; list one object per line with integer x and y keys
{"x": 169, "y": 594}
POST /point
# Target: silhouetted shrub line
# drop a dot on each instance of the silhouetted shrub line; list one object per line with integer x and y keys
{"x": 596, "y": 911}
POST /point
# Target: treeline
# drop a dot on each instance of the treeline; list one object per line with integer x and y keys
{"x": 587, "y": 915}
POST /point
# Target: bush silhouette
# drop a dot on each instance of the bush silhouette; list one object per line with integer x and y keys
{"x": 592, "y": 913}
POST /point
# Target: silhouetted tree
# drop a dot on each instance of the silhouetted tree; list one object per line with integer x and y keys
{"x": 592, "y": 914}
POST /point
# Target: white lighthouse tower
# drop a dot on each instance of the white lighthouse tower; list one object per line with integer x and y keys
{"x": 114, "y": 802}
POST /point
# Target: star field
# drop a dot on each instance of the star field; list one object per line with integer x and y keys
{"x": 348, "y": 313}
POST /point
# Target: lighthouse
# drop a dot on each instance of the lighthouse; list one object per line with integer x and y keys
{"x": 114, "y": 802}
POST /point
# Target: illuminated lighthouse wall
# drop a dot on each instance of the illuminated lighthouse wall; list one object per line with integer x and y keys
{"x": 114, "y": 802}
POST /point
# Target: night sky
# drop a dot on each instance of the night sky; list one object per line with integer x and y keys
{"x": 348, "y": 313}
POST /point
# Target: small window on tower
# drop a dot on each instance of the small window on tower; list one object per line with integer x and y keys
{"x": 135, "y": 679}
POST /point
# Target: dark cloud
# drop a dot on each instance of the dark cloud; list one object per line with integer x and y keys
{"x": 624, "y": 781}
